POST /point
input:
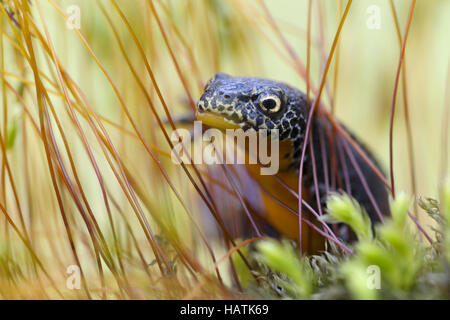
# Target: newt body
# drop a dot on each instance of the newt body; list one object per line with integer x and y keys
{"x": 254, "y": 103}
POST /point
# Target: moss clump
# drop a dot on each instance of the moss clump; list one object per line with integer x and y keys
{"x": 393, "y": 263}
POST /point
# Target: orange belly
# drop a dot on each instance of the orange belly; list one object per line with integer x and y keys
{"x": 281, "y": 218}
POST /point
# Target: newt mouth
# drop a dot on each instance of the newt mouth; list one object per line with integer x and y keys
{"x": 216, "y": 121}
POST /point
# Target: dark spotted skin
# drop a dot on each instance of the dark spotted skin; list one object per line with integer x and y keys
{"x": 238, "y": 99}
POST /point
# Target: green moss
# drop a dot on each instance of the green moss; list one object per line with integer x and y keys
{"x": 393, "y": 264}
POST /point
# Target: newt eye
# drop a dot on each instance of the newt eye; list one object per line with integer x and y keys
{"x": 270, "y": 103}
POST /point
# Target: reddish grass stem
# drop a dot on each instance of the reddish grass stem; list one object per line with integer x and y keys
{"x": 311, "y": 114}
{"x": 394, "y": 97}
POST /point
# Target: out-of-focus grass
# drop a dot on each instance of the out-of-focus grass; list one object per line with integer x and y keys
{"x": 86, "y": 177}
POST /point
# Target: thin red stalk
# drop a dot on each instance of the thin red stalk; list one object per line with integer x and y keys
{"x": 409, "y": 138}
{"x": 299, "y": 65}
{"x": 311, "y": 114}
{"x": 175, "y": 62}
{"x": 236, "y": 248}
{"x": 363, "y": 180}
{"x": 314, "y": 170}
{"x": 323, "y": 152}
{"x": 322, "y": 24}
{"x": 186, "y": 46}
{"x": 329, "y": 235}
{"x": 336, "y": 66}
{"x": 344, "y": 167}
{"x": 310, "y": 209}
{"x": 241, "y": 199}
{"x": 394, "y": 97}
{"x": 308, "y": 51}
{"x": 340, "y": 130}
